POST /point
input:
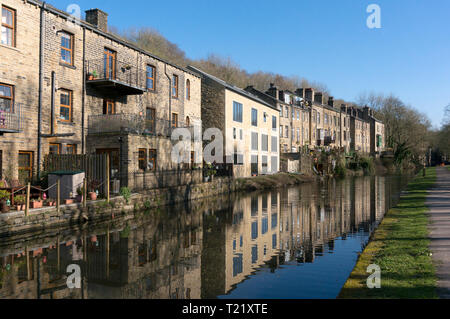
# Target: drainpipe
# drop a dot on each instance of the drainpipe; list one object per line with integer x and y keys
{"x": 41, "y": 85}
{"x": 52, "y": 101}
{"x": 170, "y": 96}
{"x": 83, "y": 95}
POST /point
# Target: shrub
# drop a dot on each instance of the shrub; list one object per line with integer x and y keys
{"x": 125, "y": 193}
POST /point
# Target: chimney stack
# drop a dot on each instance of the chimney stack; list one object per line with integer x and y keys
{"x": 300, "y": 93}
{"x": 309, "y": 94}
{"x": 98, "y": 18}
{"x": 273, "y": 91}
{"x": 331, "y": 101}
{"x": 318, "y": 98}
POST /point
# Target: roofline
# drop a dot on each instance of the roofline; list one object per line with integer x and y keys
{"x": 110, "y": 36}
{"x": 233, "y": 88}
{"x": 269, "y": 96}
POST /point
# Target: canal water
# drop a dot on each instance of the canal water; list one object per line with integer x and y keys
{"x": 298, "y": 242}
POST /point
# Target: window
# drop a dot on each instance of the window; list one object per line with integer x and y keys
{"x": 241, "y": 133}
{"x": 234, "y": 133}
{"x": 318, "y": 118}
{"x": 109, "y": 64}
{"x": 298, "y": 135}
{"x": 151, "y": 77}
{"x": 274, "y": 163}
{"x": 142, "y": 159}
{"x": 71, "y": 149}
{"x": 281, "y": 131}
{"x": 54, "y": 149}
{"x": 254, "y": 141}
{"x": 8, "y": 26}
{"x": 174, "y": 120}
{"x": 287, "y": 112}
{"x": 150, "y": 119}
{"x": 254, "y": 165}
{"x": 287, "y": 132}
{"x": 264, "y": 165}
{"x": 188, "y": 89}
{"x": 109, "y": 107}
{"x": 152, "y": 160}
{"x": 237, "y": 112}
{"x": 67, "y": 48}
{"x": 274, "y": 144}
{"x": 65, "y": 113}
{"x": 298, "y": 115}
{"x": 274, "y": 123}
{"x": 6, "y": 98}
{"x": 25, "y": 166}
{"x": 254, "y": 117}
{"x": 264, "y": 143}
{"x": 175, "y": 86}
{"x": 238, "y": 158}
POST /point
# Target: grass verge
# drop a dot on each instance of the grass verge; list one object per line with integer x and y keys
{"x": 400, "y": 247}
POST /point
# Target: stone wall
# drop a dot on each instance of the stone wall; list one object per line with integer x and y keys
{"x": 15, "y": 223}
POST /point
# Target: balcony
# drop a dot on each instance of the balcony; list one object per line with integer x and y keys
{"x": 117, "y": 77}
{"x": 132, "y": 124}
{"x": 10, "y": 122}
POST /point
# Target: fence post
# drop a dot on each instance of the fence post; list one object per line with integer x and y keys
{"x": 107, "y": 178}
{"x": 27, "y": 207}
{"x": 84, "y": 192}
{"x": 58, "y": 195}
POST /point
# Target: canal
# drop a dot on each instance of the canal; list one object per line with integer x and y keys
{"x": 298, "y": 242}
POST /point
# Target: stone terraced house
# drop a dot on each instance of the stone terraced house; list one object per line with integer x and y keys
{"x": 70, "y": 87}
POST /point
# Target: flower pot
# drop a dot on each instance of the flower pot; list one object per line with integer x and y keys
{"x": 91, "y": 77}
{"x": 68, "y": 201}
{"x": 3, "y": 207}
{"x": 36, "y": 205}
{"x": 93, "y": 196}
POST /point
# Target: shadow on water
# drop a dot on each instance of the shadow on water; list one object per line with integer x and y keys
{"x": 298, "y": 242}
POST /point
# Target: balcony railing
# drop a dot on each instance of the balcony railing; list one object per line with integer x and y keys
{"x": 133, "y": 123}
{"x": 10, "y": 122}
{"x": 122, "y": 77}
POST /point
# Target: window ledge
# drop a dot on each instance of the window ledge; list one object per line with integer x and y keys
{"x": 10, "y": 47}
{"x": 66, "y": 123}
{"x": 67, "y": 65}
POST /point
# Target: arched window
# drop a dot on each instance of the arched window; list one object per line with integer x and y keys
{"x": 188, "y": 89}
{"x": 188, "y": 121}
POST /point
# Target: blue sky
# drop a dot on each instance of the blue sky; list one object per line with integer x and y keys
{"x": 324, "y": 41}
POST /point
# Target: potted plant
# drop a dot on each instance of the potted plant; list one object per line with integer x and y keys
{"x": 80, "y": 192}
{"x": 4, "y": 196}
{"x": 50, "y": 202}
{"x": 93, "y": 187}
{"x": 20, "y": 201}
{"x": 36, "y": 203}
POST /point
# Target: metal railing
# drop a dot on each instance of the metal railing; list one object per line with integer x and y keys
{"x": 133, "y": 123}
{"x": 113, "y": 70}
{"x": 11, "y": 121}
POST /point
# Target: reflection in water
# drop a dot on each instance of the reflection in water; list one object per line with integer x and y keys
{"x": 299, "y": 242}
